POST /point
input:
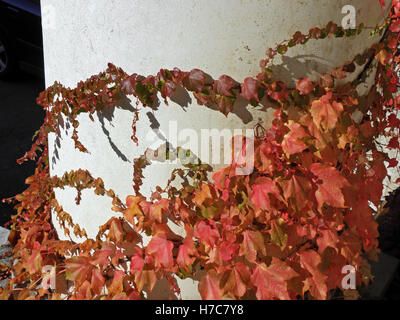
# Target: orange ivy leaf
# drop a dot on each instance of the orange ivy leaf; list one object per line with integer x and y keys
{"x": 292, "y": 142}
{"x": 271, "y": 282}
{"x": 236, "y": 281}
{"x": 187, "y": 253}
{"x": 382, "y": 56}
{"x": 116, "y": 286}
{"x": 133, "y": 208}
{"x": 202, "y": 194}
{"x": 325, "y": 113}
{"x": 261, "y": 189}
{"x": 34, "y": 263}
{"x": 97, "y": 282}
{"x": 157, "y": 209}
{"x": 77, "y": 269}
{"x": 264, "y": 161}
{"x": 116, "y": 232}
{"x": 253, "y": 242}
{"x": 327, "y": 238}
{"x": 84, "y": 291}
{"x": 278, "y": 236}
{"x": 146, "y": 278}
{"x": 316, "y": 284}
{"x": 297, "y": 188}
{"x": 209, "y": 286}
{"x": 329, "y": 189}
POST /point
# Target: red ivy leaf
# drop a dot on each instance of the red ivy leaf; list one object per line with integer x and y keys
{"x": 304, "y": 86}
{"x": 262, "y": 187}
{"x": 226, "y": 250}
{"x": 326, "y": 80}
{"x": 394, "y": 122}
{"x": 395, "y": 26}
{"x": 202, "y": 98}
{"x": 394, "y": 143}
{"x": 168, "y": 88}
{"x": 137, "y": 261}
{"x": 393, "y": 163}
{"x": 194, "y": 81}
{"x": 225, "y": 104}
{"x": 161, "y": 249}
{"x": 178, "y": 75}
{"x": 128, "y": 85}
{"x": 223, "y": 85}
{"x": 101, "y": 257}
{"x": 207, "y": 232}
{"x": 250, "y": 89}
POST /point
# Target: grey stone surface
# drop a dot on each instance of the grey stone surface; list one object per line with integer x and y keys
{"x": 4, "y": 248}
{"x": 3, "y": 235}
{"x": 5, "y": 261}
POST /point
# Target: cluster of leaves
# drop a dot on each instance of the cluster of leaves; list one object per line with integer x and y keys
{"x": 283, "y": 232}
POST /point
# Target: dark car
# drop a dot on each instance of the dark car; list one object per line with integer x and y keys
{"x": 21, "y": 44}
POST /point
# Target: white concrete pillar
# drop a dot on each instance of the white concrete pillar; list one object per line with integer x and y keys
{"x": 219, "y": 37}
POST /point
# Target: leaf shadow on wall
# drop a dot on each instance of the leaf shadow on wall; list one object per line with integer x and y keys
{"x": 301, "y": 66}
{"x": 108, "y": 114}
